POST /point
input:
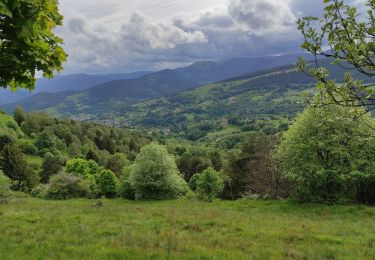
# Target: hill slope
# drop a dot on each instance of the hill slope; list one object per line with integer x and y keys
{"x": 266, "y": 100}
{"x": 156, "y": 84}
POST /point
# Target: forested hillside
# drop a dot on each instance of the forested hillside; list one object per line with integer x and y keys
{"x": 36, "y": 148}
{"x": 263, "y": 101}
{"x": 83, "y": 97}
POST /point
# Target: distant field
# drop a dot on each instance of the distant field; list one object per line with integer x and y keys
{"x": 37, "y": 229}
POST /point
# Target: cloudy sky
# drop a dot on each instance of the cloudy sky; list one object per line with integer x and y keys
{"x": 129, "y": 35}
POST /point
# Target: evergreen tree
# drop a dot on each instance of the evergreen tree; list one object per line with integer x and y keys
{"x": 17, "y": 169}
{"x": 51, "y": 165}
{"x": 19, "y": 115}
{"x": 44, "y": 141}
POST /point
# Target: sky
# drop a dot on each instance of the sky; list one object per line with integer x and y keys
{"x": 118, "y": 36}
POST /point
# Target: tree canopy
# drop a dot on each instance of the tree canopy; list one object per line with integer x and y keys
{"x": 329, "y": 155}
{"x": 27, "y": 42}
{"x": 154, "y": 174}
{"x": 348, "y": 37}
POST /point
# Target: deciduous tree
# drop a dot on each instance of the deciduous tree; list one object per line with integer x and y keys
{"x": 349, "y": 38}
{"x": 27, "y": 41}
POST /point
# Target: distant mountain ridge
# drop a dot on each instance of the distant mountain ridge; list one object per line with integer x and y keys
{"x": 73, "y": 82}
{"x": 155, "y": 84}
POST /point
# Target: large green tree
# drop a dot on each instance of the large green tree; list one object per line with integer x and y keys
{"x": 348, "y": 37}
{"x": 328, "y": 154}
{"x": 154, "y": 174}
{"x": 27, "y": 41}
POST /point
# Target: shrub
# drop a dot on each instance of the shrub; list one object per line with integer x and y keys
{"x": 107, "y": 183}
{"x": 64, "y": 186}
{"x": 28, "y": 148}
{"x": 190, "y": 195}
{"x": 126, "y": 191}
{"x": 193, "y": 182}
{"x": 154, "y": 174}
{"x": 39, "y": 191}
{"x": 209, "y": 184}
{"x": 179, "y": 186}
{"x": 86, "y": 170}
{"x": 5, "y": 139}
{"x": 4, "y": 187}
{"x": 81, "y": 167}
{"x": 328, "y": 154}
{"x": 12, "y": 125}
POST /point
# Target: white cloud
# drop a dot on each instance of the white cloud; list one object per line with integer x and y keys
{"x": 263, "y": 16}
{"x": 94, "y": 47}
{"x": 140, "y": 34}
{"x": 117, "y": 35}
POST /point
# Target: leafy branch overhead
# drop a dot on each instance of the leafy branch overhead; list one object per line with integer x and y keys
{"x": 27, "y": 41}
{"x": 348, "y": 37}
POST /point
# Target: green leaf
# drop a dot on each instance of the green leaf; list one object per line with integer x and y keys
{"x": 5, "y": 10}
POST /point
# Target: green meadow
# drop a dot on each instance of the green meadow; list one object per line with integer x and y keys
{"x": 184, "y": 229}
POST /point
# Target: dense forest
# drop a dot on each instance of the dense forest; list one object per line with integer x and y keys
{"x": 62, "y": 158}
{"x": 37, "y": 148}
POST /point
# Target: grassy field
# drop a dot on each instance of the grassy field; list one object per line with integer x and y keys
{"x": 38, "y": 229}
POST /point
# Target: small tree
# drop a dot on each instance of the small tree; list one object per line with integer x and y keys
{"x": 86, "y": 170}
{"x": 126, "y": 191}
{"x": 81, "y": 167}
{"x": 248, "y": 169}
{"x": 154, "y": 174}
{"x": 116, "y": 163}
{"x": 17, "y": 169}
{"x": 44, "y": 141}
{"x": 328, "y": 154}
{"x": 107, "y": 183}
{"x": 209, "y": 184}
{"x": 19, "y": 115}
{"x": 51, "y": 165}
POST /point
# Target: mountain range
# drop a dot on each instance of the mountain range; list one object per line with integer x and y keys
{"x": 73, "y": 82}
{"x": 192, "y": 101}
{"x": 95, "y": 89}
